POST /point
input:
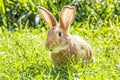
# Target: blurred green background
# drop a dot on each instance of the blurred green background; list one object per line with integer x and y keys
{"x": 96, "y": 11}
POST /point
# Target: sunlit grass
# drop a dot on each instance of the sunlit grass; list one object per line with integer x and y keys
{"x": 23, "y": 55}
{"x": 22, "y": 52}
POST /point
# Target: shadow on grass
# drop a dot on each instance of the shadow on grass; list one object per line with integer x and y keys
{"x": 59, "y": 73}
{"x": 70, "y": 71}
{"x": 65, "y": 72}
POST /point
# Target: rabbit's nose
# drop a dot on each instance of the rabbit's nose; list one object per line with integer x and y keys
{"x": 51, "y": 49}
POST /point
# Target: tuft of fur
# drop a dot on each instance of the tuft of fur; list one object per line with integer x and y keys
{"x": 60, "y": 42}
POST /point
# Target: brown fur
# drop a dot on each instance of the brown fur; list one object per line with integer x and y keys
{"x": 75, "y": 50}
{"x": 75, "y": 47}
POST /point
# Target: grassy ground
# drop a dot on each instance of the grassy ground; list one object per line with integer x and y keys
{"x": 23, "y": 56}
{"x": 22, "y": 52}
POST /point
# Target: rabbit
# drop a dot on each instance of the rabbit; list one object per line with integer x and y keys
{"x": 60, "y": 42}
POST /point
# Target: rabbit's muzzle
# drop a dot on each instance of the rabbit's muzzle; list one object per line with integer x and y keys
{"x": 51, "y": 45}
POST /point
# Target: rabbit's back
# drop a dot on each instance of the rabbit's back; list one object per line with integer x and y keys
{"x": 83, "y": 49}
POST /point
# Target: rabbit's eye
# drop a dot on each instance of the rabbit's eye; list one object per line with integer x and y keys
{"x": 59, "y": 34}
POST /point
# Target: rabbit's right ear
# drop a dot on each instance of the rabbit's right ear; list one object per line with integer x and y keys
{"x": 67, "y": 16}
{"x": 47, "y": 16}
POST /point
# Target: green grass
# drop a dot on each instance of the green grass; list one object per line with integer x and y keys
{"x": 22, "y": 52}
{"x": 24, "y": 57}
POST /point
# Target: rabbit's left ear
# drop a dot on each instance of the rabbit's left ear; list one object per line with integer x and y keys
{"x": 47, "y": 16}
{"x": 67, "y": 16}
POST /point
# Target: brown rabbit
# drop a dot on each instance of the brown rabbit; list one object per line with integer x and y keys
{"x": 60, "y": 42}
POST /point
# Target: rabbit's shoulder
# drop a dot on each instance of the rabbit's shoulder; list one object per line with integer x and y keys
{"x": 77, "y": 40}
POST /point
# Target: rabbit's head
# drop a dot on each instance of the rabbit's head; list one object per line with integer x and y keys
{"x": 58, "y": 34}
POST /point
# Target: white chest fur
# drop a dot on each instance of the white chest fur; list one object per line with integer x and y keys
{"x": 59, "y": 48}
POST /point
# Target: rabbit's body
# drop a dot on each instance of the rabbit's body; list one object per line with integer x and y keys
{"x": 63, "y": 45}
{"x": 76, "y": 48}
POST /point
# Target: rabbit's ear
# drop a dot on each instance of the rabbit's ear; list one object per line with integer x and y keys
{"x": 67, "y": 16}
{"x": 47, "y": 16}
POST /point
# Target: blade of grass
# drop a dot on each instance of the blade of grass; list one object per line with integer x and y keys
{"x": 3, "y": 12}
